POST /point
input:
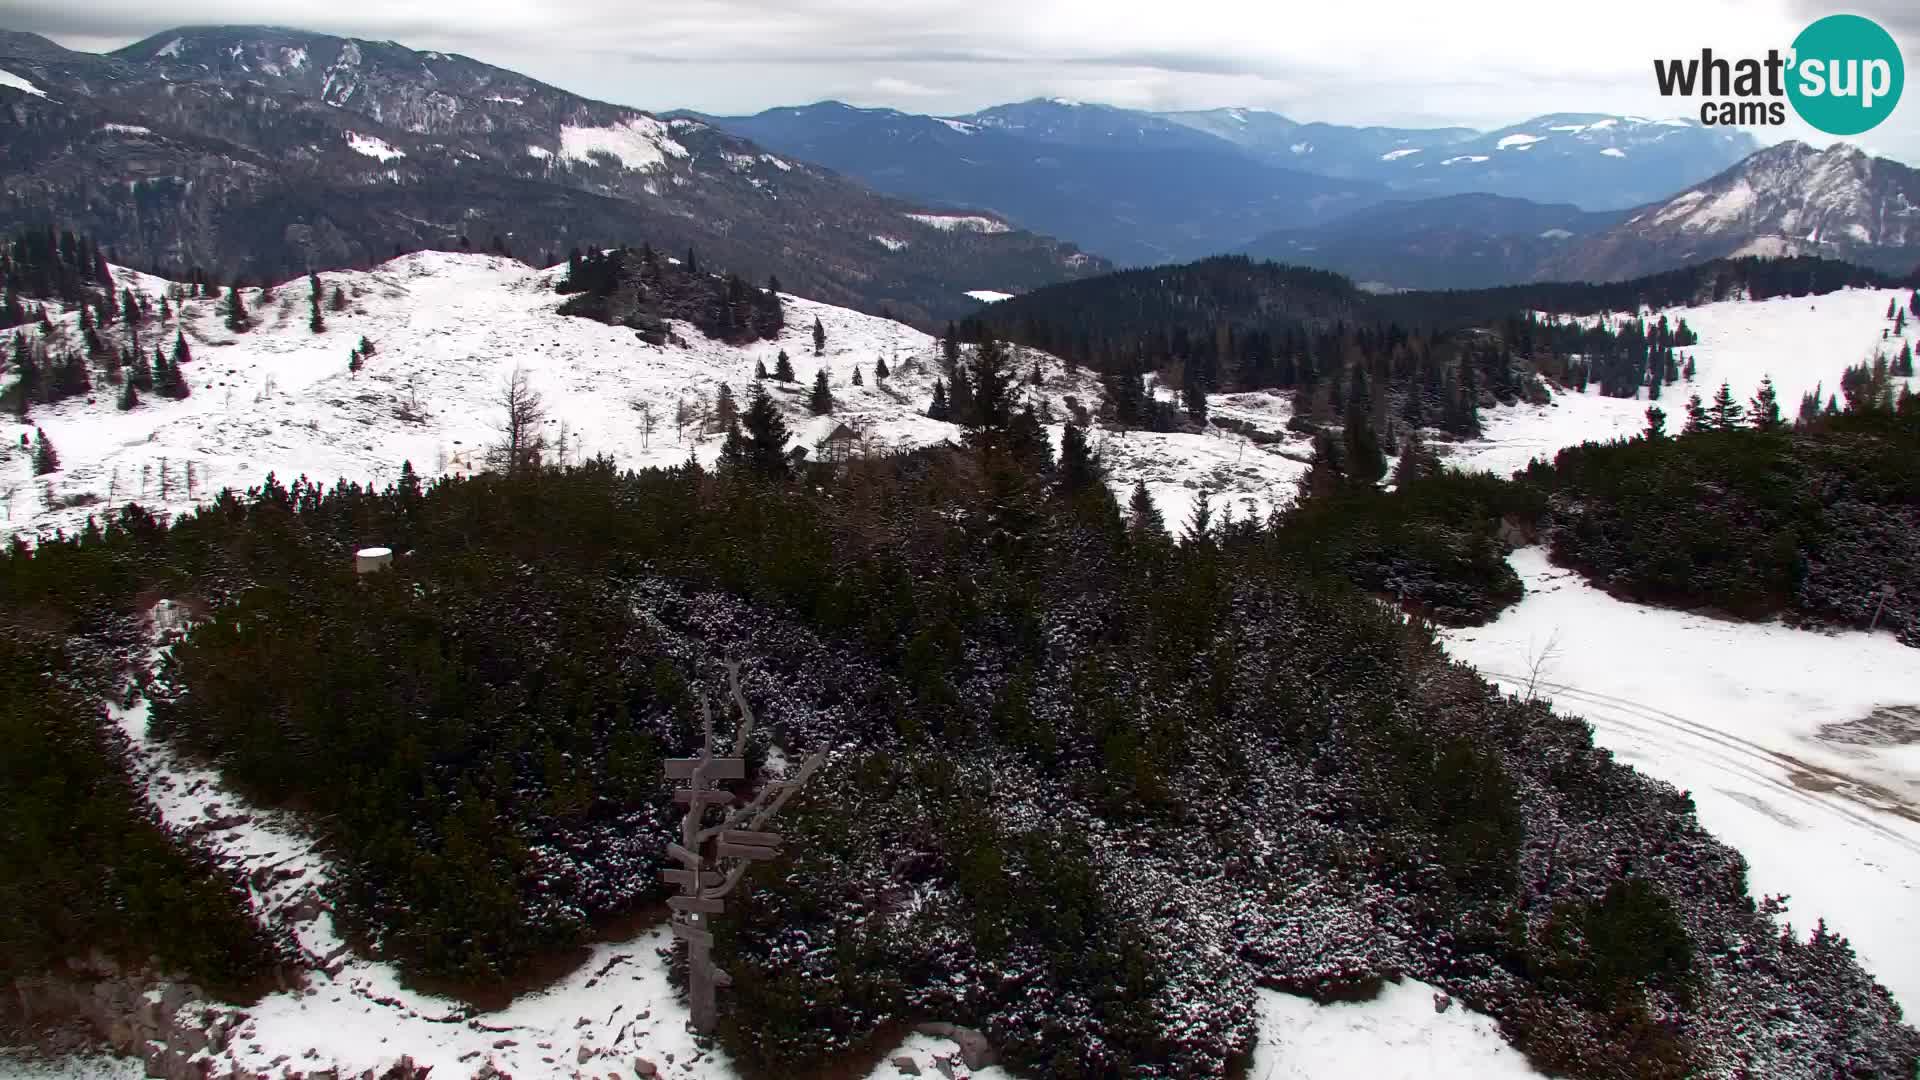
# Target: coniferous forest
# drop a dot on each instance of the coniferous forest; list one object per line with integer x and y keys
{"x": 1089, "y": 786}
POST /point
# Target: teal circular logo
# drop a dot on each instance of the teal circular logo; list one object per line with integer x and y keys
{"x": 1847, "y": 74}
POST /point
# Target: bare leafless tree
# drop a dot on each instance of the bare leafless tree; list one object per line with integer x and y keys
{"x": 648, "y": 421}
{"x": 521, "y": 444}
{"x": 1540, "y": 661}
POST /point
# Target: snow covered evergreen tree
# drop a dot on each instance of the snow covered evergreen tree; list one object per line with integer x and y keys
{"x": 45, "y": 458}
{"x": 820, "y": 402}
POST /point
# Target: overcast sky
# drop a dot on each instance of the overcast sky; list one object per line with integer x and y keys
{"x": 1483, "y": 63}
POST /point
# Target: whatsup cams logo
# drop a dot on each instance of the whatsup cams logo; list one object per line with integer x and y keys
{"x": 1843, "y": 75}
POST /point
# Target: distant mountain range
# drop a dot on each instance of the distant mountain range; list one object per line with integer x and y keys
{"x": 1790, "y": 199}
{"x": 265, "y": 152}
{"x": 1450, "y": 242}
{"x": 1143, "y": 187}
{"x": 1129, "y": 186}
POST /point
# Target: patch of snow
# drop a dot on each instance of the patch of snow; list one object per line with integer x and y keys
{"x": 776, "y": 162}
{"x": 1570, "y": 128}
{"x": 127, "y": 129}
{"x": 1396, "y": 155}
{"x": 1301, "y": 148}
{"x": 1555, "y": 234}
{"x": 890, "y": 243}
{"x": 295, "y": 58}
{"x": 171, "y": 48}
{"x": 1517, "y": 142}
{"x": 8, "y": 78}
{"x": 1471, "y": 159}
{"x": 1732, "y": 712}
{"x": 988, "y": 296}
{"x": 499, "y": 99}
{"x": 1396, "y": 1036}
{"x": 1602, "y": 125}
{"x": 540, "y": 152}
{"x": 373, "y": 147}
{"x": 639, "y": 143}
{"x": 1614, "y": 151}
{"x": 1800, "y": 342}
{"x": 1674, "y": 121}
{"x": 963, "y": 222}
{"x": 450, "y": 326}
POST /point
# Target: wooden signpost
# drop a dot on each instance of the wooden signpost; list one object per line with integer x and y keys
{"x": 713, "y": 858}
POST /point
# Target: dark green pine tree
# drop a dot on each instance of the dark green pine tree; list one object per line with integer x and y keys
{"x": 783, "y": 367}
{"x": 1656, "y": 422}
{"x": 960, "y": 398}
{"x": 1903, "y": 364}
{"x": 759, "y": 369}
{"x": 1199, "y": 528}
{"x": 366, "y": 346}
{"x": 858, "y": 379}
{"x": 181, "y": 354}
{"x": 1193, "y": 394}
{"x": 1697, "y": 420}
{"x": 1366, "y": 462}
{"x": 140, "y": 371}
{"x": 765, "y": 450}
{"x": 316, "y": 322}
{"x": 1327, "y": 475}
{"x": 339, "y": 302}
{"x": 1764, "y": 410}
{"x": 1143, "y": 518}
{"x": 725, "y": 411}
{"x": 819, "y": 337}
{"x": 237, "y": 320}
{"x": 1417, "y": 460}
{"x": 992, "y": 413}
{"x": 45, "y": 458}
{"x": 820, "y": 402}
{"x": 1078, "y": 469}
{"x": 1725, "y": 412}
{"x": 880, "y": 369}
{"x": 938, "y": 409}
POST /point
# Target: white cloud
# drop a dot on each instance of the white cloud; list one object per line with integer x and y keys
{"x": 1485, "y": 62}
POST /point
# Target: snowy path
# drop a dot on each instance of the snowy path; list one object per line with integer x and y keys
{"x": 1750, "y": 718}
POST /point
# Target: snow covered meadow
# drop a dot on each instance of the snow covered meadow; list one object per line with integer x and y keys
{"x": 1801, "y": 748}
{"x": 1800, "y": 342}
{"x": 448, "y": 329}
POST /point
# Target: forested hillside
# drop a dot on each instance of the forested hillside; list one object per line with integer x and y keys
{"x": 1815, "y": 523}
{"x": 1088, "y": 786}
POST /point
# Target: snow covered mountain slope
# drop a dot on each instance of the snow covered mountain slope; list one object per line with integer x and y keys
{"x": 1800, "y": 342}
{"x": 1789, "y": 199}
{"x": 448, "y": 328}
{"x": 263, "y": 152}
{"x": 1768, "y": 727}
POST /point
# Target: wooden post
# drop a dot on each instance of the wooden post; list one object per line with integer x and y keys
{"x": 713, "y": 858}
{"x": 1886, "y": 594}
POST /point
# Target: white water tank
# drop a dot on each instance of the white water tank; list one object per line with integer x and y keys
{"x": 372, "y": 560}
